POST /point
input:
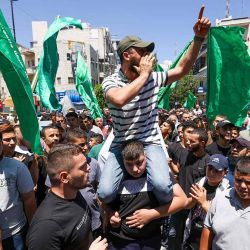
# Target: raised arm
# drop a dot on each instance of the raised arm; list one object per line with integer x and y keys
{"x": 201, "y": 29}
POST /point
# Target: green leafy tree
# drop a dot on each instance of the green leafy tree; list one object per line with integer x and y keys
{"x": 100, "y": 96}
{"x": 185, "y": 84}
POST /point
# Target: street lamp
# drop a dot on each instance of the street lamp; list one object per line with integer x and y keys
{"x": 13, "y": 22}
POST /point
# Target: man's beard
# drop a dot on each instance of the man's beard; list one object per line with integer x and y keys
{"x": 194, "y": 149}
{"x": 132, "y": 68}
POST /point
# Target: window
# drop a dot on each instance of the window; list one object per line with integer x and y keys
{"x": 59, "y": 81}
{"x": 68, "y": 57}
{"x": 71, "y": 80}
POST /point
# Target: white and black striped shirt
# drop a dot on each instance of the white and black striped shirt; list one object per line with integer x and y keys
{"x": 138, "y": 119}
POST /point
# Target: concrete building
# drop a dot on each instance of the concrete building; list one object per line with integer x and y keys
{"x": 94, "y": 44}
{"x": 28, "y": 57}
{"x": 200, "y": 67}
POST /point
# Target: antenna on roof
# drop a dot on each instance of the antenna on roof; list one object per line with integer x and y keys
{"x": 227, "y": 8}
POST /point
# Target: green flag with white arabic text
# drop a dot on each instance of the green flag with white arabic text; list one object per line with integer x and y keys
{"x": 85, "y": 88}
{"x": 15, "y": 76}
{"x": 228, "y": 74}
{"x": 48, "y": 63}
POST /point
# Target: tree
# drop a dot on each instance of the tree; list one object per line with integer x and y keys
{"x": 185, "y": 84}
{"x": 100, "y": 96}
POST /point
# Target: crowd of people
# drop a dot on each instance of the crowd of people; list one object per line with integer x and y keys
{"x": 136, "y": 178}
{"x": 205, "y": 164}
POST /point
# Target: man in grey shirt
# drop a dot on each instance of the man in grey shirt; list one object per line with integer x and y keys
{"x": 227, "y": 222}
{"x": 17, "y": 203}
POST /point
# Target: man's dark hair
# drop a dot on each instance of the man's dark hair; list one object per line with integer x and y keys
{"x": 86, "y": 117}
{"x": 6, "y": 128}
{"x": 60, "y": 159}
{"x": 179, "y": 125}
{"x": 188, "y": 124}
{"x": 97, "y": 137}
{"x": 132, "y": 150}
{"x": 43, "y": 131}
{"x": 74, "y": 134}
{"x": 243, "y": 165}
{"x": 72, "y": 114}
{"x": 203, "y": 136}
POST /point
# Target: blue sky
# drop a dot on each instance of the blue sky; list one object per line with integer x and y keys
{"x": 166, "y": 22}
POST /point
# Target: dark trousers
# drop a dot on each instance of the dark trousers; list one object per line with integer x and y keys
{"x": 153, "y": 243}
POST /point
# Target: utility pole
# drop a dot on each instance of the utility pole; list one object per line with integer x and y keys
{"x": 13, "y": 21}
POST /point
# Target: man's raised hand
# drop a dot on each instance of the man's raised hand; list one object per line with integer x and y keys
{"x": 202, "y": 25}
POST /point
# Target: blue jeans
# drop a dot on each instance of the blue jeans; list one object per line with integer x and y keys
{"x": 16, "y": 241}
{"x": 157, "y": 174}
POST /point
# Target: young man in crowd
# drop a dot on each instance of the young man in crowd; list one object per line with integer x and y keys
{"x": 50, "y": 137}
{"x": 240, "y": 147}
{"x": 134, "y": 223}
{"x": 99, "y": 124}
{"x": 132, "y": 99}
{"x": 72, "y": 120}
{"x": 95, "y": 139}
{"x": 192, "y": 167}
{"x": 222, "y": 143}
{"x": 202, "y": 193}
{"x": 17, "y": 202}
{"x": 63, "y": 219}
{"x": 227, "y": 222}
{"x": 178, "y": 149}
{"x": 218, "y": 118}
{"x": 90, "y": 127}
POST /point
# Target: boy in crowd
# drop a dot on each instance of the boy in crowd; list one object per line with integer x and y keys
{"x": 202, "y": 194}
{"x": 227, "y": 222}
{"x": 133, "y": 224}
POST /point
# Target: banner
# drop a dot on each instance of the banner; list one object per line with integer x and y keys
{"x": 85, "y": 88}
{"x": 228, "y": 74}
{"x": 190, "y": 102}
{"x": 48, "y": 63}
{"x": 165, "y": 92}
{"x": 15, "y": 76}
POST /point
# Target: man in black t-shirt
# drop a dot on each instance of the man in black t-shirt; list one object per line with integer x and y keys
{"x": 134, "y": 224}
{"x": 63, "y": 219}
{"x": 192, "y": 167}
{"x": 222, "y": 144}
{"x": 178, "y": 150}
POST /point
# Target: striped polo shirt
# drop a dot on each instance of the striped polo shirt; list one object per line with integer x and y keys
{"x": 138, "y": 119}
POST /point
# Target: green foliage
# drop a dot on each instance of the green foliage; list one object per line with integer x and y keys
{"x": 100, "y": 96}
{"x": 185, "y": 84}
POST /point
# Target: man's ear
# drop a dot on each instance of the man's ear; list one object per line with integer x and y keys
{"x": 125, "y": 55}
{"x": 63, "y": 177}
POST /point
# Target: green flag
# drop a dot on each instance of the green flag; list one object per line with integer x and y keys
{"x": 165, "y": 92}
{"x": 15, "y": 76}
{"x": 48, "y": 63}
{"x": 85, "y": 88}
{"x": 228, "y": 74}
{"x": 190, "y": 102}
